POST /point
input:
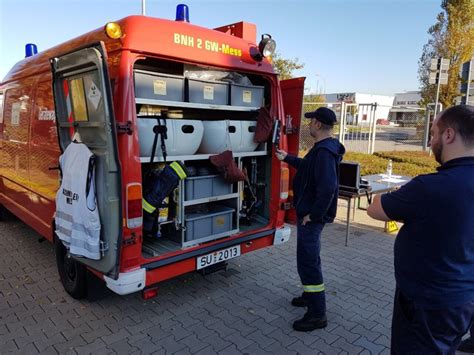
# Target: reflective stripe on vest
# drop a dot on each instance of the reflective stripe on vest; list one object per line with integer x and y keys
{"x": 313, "y": 288}
{"x": 178, "y": 170}
{"x": 147, "y": 207}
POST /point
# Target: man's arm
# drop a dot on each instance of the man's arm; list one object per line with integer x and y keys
{"x": 405, "y": 204}
{"x": 294, "y": 161}
{"x": 376, "y": 211}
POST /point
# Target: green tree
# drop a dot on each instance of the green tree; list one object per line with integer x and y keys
{"x": 451, "y": 37}
{"x": 285, "y": 67}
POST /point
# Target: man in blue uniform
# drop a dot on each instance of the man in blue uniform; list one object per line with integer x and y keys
{"x": 434, "y": 250}
{"x": 315, "y": 188}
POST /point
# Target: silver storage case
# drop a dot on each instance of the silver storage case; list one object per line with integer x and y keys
{"x": 157, "y": 86}
{"x": 249, "y": 96}
{"x": 207, "y": 92}
{"x": 205, "y": 225}
{"x": 197, "y": 187}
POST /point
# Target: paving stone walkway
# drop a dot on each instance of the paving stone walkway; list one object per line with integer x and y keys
{"x": 245, "y": 310}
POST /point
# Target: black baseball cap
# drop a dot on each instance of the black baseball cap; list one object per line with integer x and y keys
{"x": 323, "y": 115}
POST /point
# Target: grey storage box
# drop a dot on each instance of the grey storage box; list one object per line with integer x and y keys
{"x": 249, "y": 96}
{"x": 208, "y": 92}
{"x": 200, "y": 225}
{"x": 157, "y": 86}
{"x": 197, "y": 187}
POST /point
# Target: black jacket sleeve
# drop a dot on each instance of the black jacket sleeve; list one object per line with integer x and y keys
{"x": 325, "y": 178}
{"x": 294, "y": 161}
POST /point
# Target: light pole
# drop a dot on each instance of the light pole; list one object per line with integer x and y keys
{"x": 143, "y": 7}
{"x": 439, "y": 76}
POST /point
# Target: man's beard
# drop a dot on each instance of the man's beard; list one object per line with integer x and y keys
{"x": 438, "y": 151}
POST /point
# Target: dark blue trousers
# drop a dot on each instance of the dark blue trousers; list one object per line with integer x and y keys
{"x": 308, "y": 248}
{"x": 418, "y": 330}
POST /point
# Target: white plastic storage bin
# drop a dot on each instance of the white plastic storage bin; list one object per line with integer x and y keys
{"x": 197, "y": 187}
{"x": 208, "y": 92}
{"x": 157, "y": 86}
{"x": 204, "y": 225}
{"x": 249, "y": 96}
{"x": 247, "y": 133}
{"x": 184, "y": 136}
{"x": 233, "y": 135}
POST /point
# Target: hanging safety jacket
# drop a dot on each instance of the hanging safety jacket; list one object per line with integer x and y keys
{"x": 77, "y": 216}
{"x": 158, "y": 185}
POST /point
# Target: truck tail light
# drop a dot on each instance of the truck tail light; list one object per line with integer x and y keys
{"x": 134, "y": 205}
{"x": 284, "y": 183}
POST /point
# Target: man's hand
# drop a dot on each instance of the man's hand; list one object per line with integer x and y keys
{"x": 305, "y": 220}
{"x": 281, "y": 154}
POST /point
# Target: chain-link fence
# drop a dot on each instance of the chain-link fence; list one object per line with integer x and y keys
{"x": 370, "y": 127}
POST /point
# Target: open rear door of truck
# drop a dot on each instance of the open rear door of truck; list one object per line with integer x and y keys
{"x": 83, "y": 101}
{"x": 292, "y": 91}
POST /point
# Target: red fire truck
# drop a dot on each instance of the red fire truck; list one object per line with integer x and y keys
{"x": 110, "y": 87}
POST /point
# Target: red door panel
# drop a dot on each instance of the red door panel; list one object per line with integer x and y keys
{"x": 292, "y": 92}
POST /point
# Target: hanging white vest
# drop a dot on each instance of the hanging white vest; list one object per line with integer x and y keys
{"x": 77, "y": 216}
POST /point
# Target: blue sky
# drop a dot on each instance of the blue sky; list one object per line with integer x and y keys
{"x": 369, "y": 46}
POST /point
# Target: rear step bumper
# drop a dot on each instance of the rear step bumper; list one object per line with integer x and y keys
{"x": 147, "y": 275}
{"x": 206, "y": 250}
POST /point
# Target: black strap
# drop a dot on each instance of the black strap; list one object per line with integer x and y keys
{"x": 159, "y": 129}
{"x": 164, "y": 135}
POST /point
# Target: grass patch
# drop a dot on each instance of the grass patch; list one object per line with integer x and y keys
{"x": 406, "y": 163}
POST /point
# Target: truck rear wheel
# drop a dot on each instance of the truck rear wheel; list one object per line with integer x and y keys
{"x": 5, "y": 215}
{"x": 72, "y": 273}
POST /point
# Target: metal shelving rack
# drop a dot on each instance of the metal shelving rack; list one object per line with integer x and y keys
{"x": 182, "y": 104}
{"x": 181, "y": 203}
{"x": 261, "y": 150}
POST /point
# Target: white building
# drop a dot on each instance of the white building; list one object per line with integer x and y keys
{"x": 406, "y": 108}
{"x": 360, "y": 106}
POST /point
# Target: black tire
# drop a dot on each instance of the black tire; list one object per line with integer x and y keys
{"x": 72, "y": 273}
{"x": 5, "y": 215}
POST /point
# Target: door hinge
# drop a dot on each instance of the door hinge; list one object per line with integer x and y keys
{"x": 125, "y": 128}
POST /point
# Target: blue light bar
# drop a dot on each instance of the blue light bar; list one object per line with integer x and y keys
{"x": 30, "y": 50}
{"x": 182, "y": 13}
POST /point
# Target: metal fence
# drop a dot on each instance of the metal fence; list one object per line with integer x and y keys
{"x": 369, "y": 127}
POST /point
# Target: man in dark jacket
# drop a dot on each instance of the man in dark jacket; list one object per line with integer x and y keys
{"x": 315, "y": 191}
{"x": 434, "y": 250}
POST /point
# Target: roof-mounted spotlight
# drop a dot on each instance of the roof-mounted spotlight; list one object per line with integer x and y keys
{"x": 267, "y": 45}
{"x": 266, "y": 48}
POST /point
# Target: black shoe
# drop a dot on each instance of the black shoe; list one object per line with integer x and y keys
{"x": 309, "y": 323}
{"x": 299, "y": 302}
{"x": 467, "y": 346}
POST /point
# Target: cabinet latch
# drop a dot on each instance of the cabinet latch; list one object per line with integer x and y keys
{"x": 123, "y": 128}
{"x": 131, "y": 240}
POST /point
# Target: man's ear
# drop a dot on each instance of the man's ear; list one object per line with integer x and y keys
{"x": 449, "y": 135}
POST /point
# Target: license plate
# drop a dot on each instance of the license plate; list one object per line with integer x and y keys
{"x": 217, "y": 257}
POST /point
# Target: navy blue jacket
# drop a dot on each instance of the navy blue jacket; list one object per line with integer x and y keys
{"x": 316, "y": 183}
